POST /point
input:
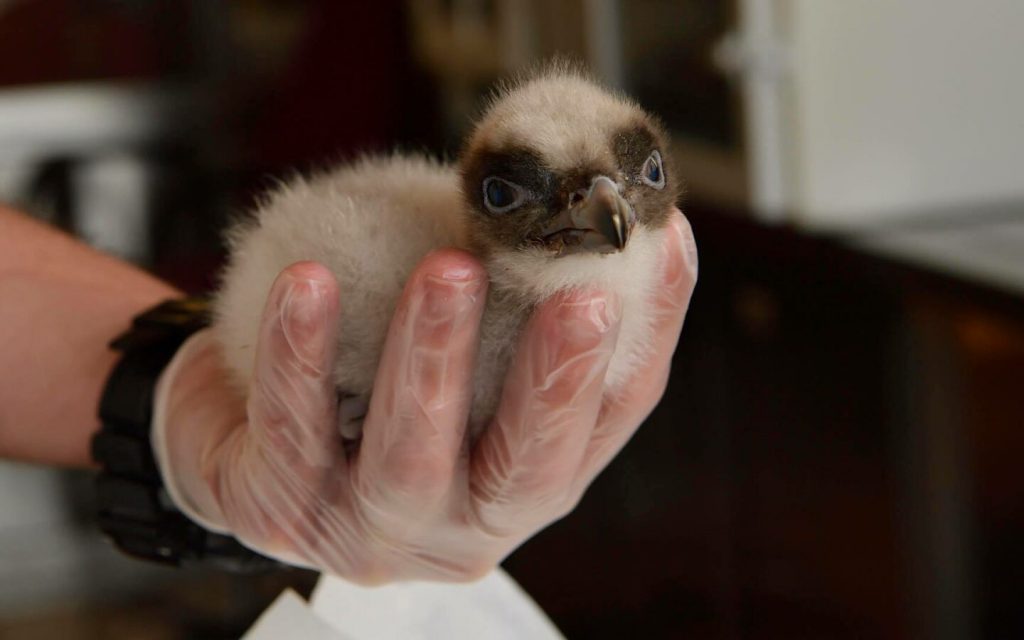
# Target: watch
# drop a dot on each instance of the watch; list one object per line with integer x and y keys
{"x": 133, "y": 507}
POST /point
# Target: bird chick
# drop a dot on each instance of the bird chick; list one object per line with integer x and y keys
{"x": 561, "y": 185}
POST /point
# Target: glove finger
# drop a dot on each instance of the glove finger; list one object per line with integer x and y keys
{"x": 523, "y": 467}
{"x": 292, "y": 400}
{"x": 413, "y": 432}
{"x": 279, "y": 481}
{"x": 623, "y": 412}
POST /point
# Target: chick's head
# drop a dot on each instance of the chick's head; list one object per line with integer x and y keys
{"x": 558, "y": 165}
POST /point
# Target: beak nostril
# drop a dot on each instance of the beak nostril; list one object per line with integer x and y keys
{"x": 598, "y": 219}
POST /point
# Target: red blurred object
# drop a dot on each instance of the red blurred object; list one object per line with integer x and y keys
{"x": 341, "y": 92}
{"x": 48, "y": 41}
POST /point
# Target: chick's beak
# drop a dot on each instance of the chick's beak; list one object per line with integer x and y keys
{"x": 600, "y": 222}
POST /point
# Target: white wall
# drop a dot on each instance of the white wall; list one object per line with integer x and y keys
{"x": 902, "y": 105}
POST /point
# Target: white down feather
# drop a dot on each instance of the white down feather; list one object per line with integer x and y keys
{"x": 370, "y": 223}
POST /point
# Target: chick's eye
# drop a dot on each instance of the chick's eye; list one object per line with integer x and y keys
{"x": 652, "y": 172}
{"x": 500, "y": 195}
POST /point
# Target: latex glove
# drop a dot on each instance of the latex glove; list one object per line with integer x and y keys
{"x": 413, "y": 502}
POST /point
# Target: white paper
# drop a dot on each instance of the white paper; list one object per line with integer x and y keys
{"x": 494, "y": 607}
{"x": 291, "y": 617}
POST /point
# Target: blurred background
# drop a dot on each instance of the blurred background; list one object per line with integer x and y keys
{"x": 838, "y": 454}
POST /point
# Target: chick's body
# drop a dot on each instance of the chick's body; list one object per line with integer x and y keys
{"x": 371, "y": 223}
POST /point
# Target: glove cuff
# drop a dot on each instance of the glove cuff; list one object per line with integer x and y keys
{"x": 134, "y": 506}
{"x": 158, "y": 435}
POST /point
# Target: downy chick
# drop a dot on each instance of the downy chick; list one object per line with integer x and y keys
{"x": 562, "y": 184}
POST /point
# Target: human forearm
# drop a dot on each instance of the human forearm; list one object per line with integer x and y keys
{"x": 61, "y": 302}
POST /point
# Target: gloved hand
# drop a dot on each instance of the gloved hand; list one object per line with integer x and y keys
{"x": 414, "y": 501}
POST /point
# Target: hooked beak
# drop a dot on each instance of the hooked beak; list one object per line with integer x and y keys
{"x": 600, "y": 222}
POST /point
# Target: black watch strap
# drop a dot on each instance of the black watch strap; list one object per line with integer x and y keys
{"x": 133, "y": 507}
